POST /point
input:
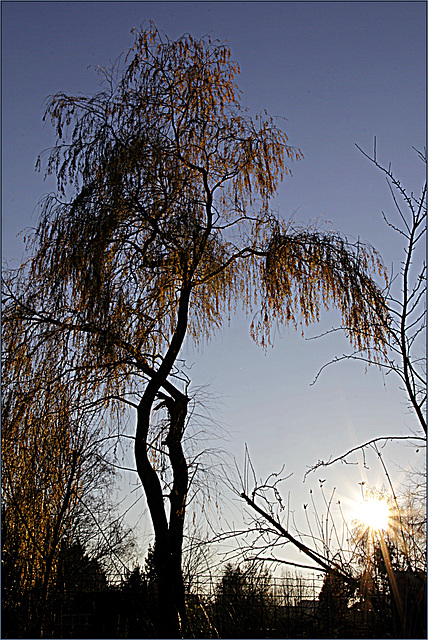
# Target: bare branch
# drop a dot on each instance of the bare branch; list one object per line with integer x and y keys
{"x": 361, "y": 447}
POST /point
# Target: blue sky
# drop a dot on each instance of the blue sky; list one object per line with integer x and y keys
{"x": 340, "y": 73}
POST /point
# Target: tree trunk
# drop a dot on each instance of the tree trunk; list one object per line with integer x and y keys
{"x": 169, "y": 623}
{"x": 168, "y": 536}
{"x": 178, "y": 413}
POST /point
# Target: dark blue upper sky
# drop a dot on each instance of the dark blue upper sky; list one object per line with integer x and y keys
{"x": 340, "y": 73}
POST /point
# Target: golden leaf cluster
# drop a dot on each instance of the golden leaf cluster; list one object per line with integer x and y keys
{"x": 161, "y": 226}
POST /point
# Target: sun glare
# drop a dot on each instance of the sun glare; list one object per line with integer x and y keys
{"x": 374, "y": 513}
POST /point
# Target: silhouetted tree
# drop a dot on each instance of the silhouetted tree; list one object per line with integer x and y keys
{"x": 159, "y": 228}
{"x": 333, "y": 603}
{"x": 139, "y": 592}
{"x": 243, "y": 603}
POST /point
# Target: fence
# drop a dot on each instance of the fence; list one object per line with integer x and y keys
{"x": 288, "y": 606}
{"x": 237, "y": 606}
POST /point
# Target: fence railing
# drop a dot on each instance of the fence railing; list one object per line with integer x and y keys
{"x": 250, "y": 607}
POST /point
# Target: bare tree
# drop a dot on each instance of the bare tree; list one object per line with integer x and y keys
{"x": 405, "y": 294}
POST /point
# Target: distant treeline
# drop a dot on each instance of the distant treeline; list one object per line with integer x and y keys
{"x": 241, "y": 603}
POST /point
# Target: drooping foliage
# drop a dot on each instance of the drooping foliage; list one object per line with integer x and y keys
{"x": 51, "y": 465}
{"x": 165, "y": 165}
{"x": 305, "y": 272}
{"x": 159, "y": 229}
{"x": 41, "y": 482}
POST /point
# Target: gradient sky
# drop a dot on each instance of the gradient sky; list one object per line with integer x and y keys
{"x": 340, "y": 73}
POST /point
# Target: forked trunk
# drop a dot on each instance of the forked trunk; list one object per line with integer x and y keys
{"x": 168, "y": 535}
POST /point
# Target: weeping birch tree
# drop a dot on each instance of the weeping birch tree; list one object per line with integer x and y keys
{"x": 159, "y": 228}
{"x": 54, "y": 465}
{"x": 42, "y": 477}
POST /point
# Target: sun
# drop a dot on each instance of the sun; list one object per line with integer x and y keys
{"x": 374, "y": 513}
